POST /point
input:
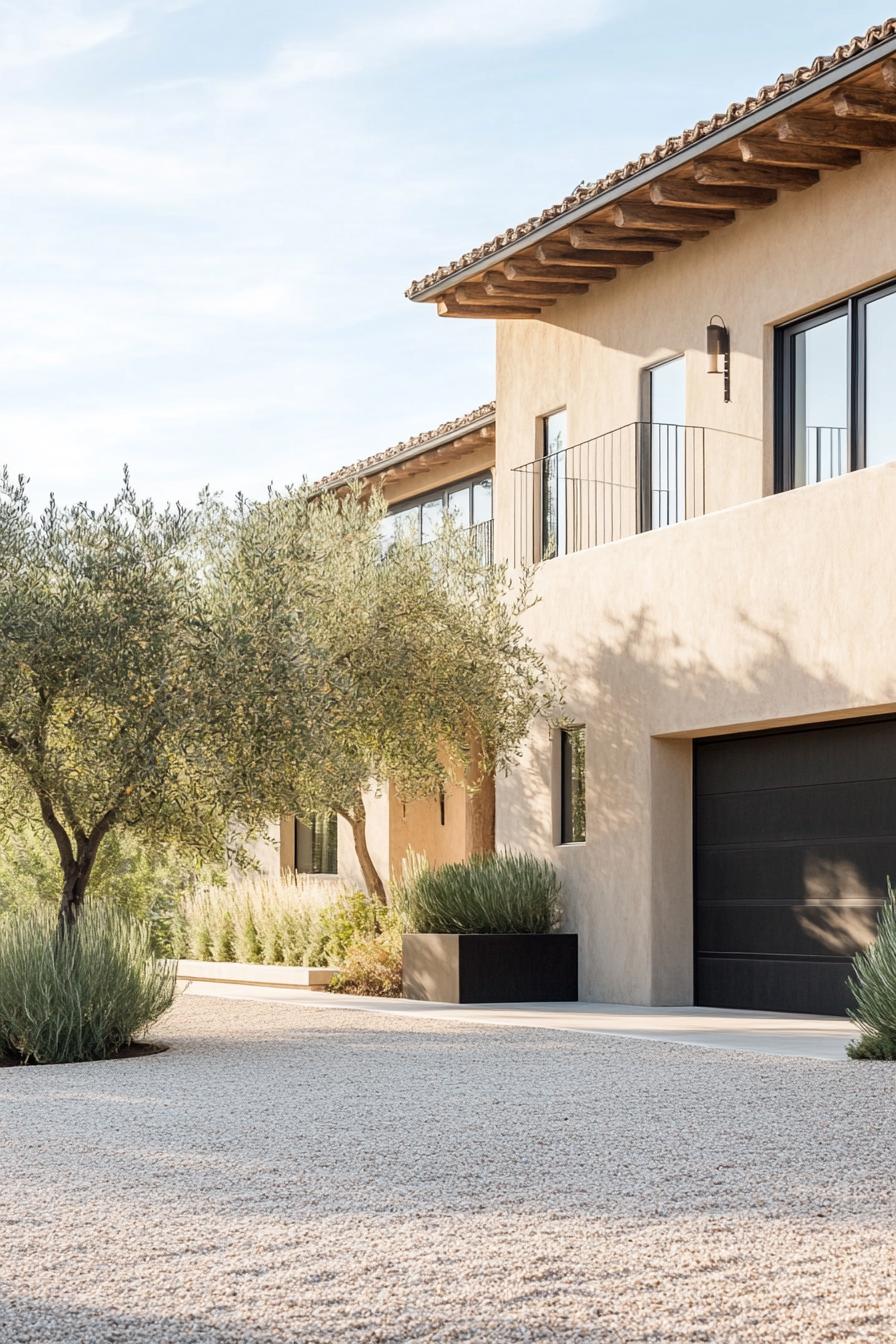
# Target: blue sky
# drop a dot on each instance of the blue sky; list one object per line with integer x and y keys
{"x": 211, "y": 208}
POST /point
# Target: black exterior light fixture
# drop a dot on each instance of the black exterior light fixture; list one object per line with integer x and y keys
{"x": 718, "y": 350}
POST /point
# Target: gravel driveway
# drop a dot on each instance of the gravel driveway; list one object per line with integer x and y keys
{"x": 315, "y": 1175}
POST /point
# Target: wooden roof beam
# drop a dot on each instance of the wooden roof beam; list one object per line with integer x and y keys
{"x": 556, "y": 254}
{"x": 690, "y": 195}
{"x": 501, "y": 287}
{"x": 523, "y": 268}
{"x": 449, "y": 306}
{"x": 887, "y": 72}
{"x": 641, "y": 214}
{"x": 869, "y": 103}
{"x": 766, "y": 149}
{"x": 849, "y": 132}
{"x": 726, "y": 172}
{"x": 475, "y": 295}
{"x": 595, "y": 237}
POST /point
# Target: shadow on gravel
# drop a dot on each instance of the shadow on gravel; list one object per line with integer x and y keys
{"x": 38, "y": 1322}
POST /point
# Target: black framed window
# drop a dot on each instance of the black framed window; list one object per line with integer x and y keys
{"x": 316, "y": 843}
{"x": 469, "y": 502}
{"x": 553, "y": 485}
{"x": 572, "y": 786}
{"x": 835, "y": 390}
{"x": 664, "y": 459}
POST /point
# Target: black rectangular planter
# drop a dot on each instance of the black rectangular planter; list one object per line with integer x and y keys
{"x": 490, "y": 967}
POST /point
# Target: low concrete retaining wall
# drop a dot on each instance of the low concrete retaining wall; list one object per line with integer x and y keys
{"x": 245, "y": 973}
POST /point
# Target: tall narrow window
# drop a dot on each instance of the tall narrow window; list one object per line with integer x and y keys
{"x": 572, "y": 786}
{"x": 878, "y": 406}
{"x": 835, "y": 390}
{"x": 817, "y": 358}
{"x": 316, "y": 844}
{"x": 666, "y": 464}
{"x": 553, "y": 486}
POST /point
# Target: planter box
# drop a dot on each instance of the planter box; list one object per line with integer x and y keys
{"x": 246, "y": 973}
{"x": 490, "y": 967}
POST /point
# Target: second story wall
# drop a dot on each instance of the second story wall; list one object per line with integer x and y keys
{"x": 589, "y": 354}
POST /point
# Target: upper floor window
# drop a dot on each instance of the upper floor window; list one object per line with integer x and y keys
{"x": 664, "y": 446}
{"x": 836, "y": 394}
{"x": 469, "y": 503}
{"x": 553, "y": 485}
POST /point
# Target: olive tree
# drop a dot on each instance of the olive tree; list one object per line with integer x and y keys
{"x": 370, "y": 665}
{"x": 111, "y": 708}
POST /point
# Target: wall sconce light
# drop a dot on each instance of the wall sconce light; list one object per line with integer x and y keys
{"x": 718, "y": 350}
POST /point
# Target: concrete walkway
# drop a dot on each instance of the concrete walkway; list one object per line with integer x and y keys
{"x": 716, "y": 1028}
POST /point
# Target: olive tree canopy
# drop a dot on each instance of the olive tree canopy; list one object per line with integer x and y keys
{"x": 370, "y": 665}
{"x": 111, "y": 709}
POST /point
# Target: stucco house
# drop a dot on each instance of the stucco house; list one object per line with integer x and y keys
{"x": 695, "y": 443}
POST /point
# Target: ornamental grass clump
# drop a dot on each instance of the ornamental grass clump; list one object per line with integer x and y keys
{"x": 873, "y": 985}
{"x": 80, "y": 994}
{"x": 489, "y": 893}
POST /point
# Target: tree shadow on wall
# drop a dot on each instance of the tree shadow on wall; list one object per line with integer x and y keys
{"x": 639, "y": 686}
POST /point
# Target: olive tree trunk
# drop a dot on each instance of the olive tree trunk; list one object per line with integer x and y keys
{"x": 74, "y": 886}
{"x": 372, "y": 880}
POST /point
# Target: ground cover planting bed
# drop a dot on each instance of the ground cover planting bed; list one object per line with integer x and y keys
{"x": 285, "y": 1173}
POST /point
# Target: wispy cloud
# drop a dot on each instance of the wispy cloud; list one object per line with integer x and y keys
{"x": 445, "y": 24}
{"x": 36, "y": 31}
{"x": 177, "y": 292}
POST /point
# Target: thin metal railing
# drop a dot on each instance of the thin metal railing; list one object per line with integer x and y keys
{"x": 483, "y": 535}
{"x": 635, "y": 478}
{"x": 826, "y": 448}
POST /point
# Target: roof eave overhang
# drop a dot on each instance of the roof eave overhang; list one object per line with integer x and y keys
{"x": 439, "y": 441}
{"x": 748, "y": 122}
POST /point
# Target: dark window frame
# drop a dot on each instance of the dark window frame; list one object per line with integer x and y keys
{"x": 328, "y": 866}
{"x": 853, "y": 309}
{"x": 417, "y": 502}
{"x": 651, "y": 443}
{"x": 569, "y": 832}
{"x": 551, "y": 544}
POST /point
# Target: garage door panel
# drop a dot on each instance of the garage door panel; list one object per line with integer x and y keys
{"x": 771, "y": 985}
{"x": 827, "y": 811}
{"x": 795, "y": 836}
{"x": 802, "y": 757}
{"x": 752, "y": 928}
{"x": 795, "y": 871}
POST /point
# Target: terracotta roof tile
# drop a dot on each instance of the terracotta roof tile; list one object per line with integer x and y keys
{"x": 407, "y": 448}
{"x": 589, "y": 190}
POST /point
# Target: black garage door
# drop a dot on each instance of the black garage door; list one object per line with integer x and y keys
{"x": 795, "y": 835}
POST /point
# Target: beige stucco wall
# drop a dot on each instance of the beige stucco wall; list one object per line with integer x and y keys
{"x": 418, "y": 826}
{"x": 768, "y": 613}
{"x": 778, "y": 609}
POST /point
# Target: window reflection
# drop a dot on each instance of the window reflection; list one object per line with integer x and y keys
{"x": 469, "y": 503}
{"x": 553, "y": 486}
{"x": 880, "y": 383}
{"x": 820, "y": 401}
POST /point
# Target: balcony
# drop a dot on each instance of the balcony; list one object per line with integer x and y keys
{"x": 637, "y": 478}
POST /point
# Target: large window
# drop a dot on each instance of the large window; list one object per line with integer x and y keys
{"x": 469, "y": 503}
{"x": 836, "y": 393}
{"x": 553, "y": 485}
{"x": 665, "y": 494}
{"x": 572, "y": 786}
{"x": 316, "y": 844}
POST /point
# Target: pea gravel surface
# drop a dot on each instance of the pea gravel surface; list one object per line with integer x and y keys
{"x": 286, "y": 1173}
